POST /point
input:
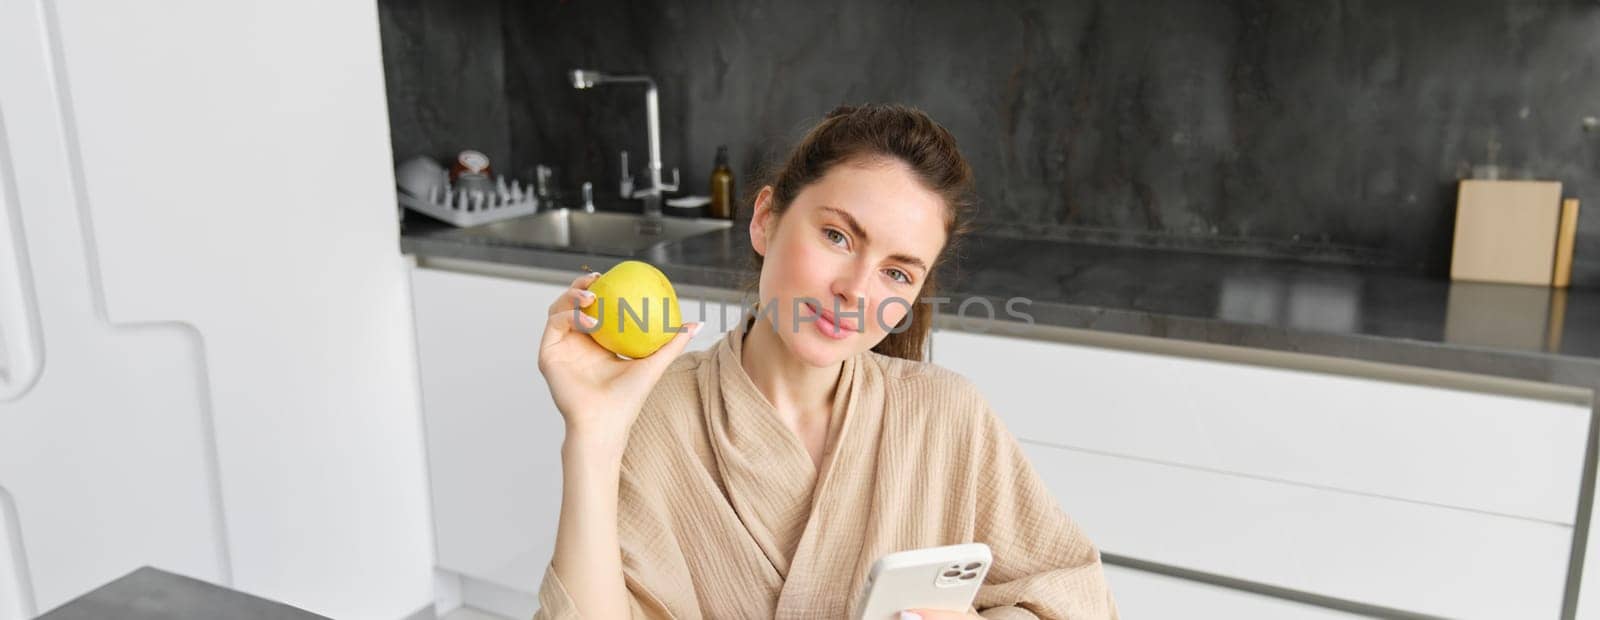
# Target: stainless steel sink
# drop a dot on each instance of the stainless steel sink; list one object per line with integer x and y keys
{"x": 623, "y": 234}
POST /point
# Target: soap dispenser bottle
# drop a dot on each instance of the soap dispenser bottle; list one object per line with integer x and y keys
{"x": 721, "y": 186}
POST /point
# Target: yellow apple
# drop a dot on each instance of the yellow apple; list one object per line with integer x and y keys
{"x": 637, "y": 309}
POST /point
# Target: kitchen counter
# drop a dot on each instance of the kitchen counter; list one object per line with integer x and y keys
{"x": 1511, "y": 331}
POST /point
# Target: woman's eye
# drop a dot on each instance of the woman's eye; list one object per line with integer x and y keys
{"x": 900, "y": 276}
{"x": 831, "y": 234}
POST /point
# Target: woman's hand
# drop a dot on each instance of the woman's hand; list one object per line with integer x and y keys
{"x": 598, "y": 393}
{"x": 935, "y": 614}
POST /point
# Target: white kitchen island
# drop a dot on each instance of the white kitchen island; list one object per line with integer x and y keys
{"x": 1218, "y": 481}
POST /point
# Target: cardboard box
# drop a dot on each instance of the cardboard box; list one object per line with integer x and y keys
{"x": 1506, "y": 231}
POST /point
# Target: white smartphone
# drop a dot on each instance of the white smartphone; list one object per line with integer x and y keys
{"x": 945, "y": 578}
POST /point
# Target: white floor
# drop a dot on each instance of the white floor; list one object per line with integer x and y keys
{"x": 468, "y": 613}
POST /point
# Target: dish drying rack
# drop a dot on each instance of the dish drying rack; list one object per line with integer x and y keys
{"x": 474, "y": 207}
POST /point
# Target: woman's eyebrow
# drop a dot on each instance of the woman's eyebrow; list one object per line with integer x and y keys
{"x": 855, "y": 229}
{"x": 850, "y": 221}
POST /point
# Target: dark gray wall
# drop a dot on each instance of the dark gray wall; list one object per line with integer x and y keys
{"x": 1322, "y": 129}
{"x": 444, "y": 65}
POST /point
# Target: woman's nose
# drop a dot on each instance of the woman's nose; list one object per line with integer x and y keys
{"x": 851, "y": 289}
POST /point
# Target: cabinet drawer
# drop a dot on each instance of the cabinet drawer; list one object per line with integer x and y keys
{"x": 1141, "y": 594}
{"x": 1499, "y": 454}
{"x": 1405, "y": 555}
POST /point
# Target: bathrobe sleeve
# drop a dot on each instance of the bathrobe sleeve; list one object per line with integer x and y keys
{"x": 1044, "y": 566}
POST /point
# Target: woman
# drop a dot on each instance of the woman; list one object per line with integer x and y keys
{"x": 763, "y": 477}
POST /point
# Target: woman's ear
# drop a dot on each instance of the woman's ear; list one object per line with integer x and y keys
{"x": 761, "y": 221}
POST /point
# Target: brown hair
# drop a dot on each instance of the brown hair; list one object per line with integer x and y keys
{"x": 902, "y": 133}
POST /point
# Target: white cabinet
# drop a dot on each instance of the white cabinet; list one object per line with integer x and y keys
{"x": 1495, "y": 454}
{"x": 14, "y": 594}
{"x": 494, "y": 435}
{"x": 1425, "y": 499}
{"x": 203, "y": 201}
{"x": 1142, "y": 594}
{"x": 103, "y": 459}
{"x": 1395, "y": 554}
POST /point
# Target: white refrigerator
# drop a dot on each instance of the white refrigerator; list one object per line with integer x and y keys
{"x": 207, "y": 361}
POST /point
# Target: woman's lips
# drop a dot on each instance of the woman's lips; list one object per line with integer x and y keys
{"x": 828, "y": 326}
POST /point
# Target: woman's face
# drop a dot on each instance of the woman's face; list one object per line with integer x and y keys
{"x": 855, "y": 247}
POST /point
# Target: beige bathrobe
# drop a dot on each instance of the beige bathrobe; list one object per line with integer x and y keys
{"x": 723, "y": 514}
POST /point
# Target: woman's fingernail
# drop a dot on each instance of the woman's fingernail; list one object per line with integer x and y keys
{"x": 694, "y": 328}
{"x": 587, "y": 320}
{"x": 910, "y": 615}
{"x": 587, "y": 296}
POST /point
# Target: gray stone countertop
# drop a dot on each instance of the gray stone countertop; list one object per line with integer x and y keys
{"x": 153, "y": 594}
{"x": 1513, "y": 331}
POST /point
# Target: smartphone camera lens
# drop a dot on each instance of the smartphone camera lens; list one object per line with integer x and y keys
{"x": 969, "y": 576}
{"x": 952, "y": 573}
{"x": 973, "y": 566}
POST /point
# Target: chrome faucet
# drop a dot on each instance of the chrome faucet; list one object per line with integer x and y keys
{"x": 651, "y": 192}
